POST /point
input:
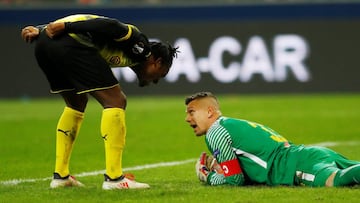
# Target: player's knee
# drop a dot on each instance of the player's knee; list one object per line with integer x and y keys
{"x": 116, "y": 101}
{"x": 122, "y": 101}
{"x": 74, "y": 101}
{"x": 330, "y": 181}
{"x": 111, "y": 98}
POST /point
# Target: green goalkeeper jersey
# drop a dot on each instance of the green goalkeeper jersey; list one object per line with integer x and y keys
{"x": 250, "y": 153}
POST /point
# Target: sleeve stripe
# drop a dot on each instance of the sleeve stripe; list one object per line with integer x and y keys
{"x": 127, "y": 36}
{"x": 218, "y": 138}
{"x": 215, "y": 137}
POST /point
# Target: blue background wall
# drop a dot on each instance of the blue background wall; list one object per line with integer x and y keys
{"x": 331, "y": 33}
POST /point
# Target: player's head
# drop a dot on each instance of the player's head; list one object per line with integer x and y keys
{"x": 202, "y": 110}
{"x": 164, "y": 51}
{"x": 158, "y": 64}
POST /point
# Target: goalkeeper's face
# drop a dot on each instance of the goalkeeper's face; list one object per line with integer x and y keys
{"x": 200, "y": 115}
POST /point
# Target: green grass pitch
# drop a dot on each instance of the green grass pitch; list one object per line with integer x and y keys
{"x": 158, "y": 133}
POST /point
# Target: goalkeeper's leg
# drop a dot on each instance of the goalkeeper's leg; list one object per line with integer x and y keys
{"x": 348, "y": 172}
{"x": 348, "y": 176}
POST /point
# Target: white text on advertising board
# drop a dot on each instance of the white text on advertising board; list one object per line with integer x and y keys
{"x": 286, "y": 56}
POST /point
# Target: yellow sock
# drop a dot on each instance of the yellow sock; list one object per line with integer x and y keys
{"x": 67, "y": 130}
{"x": 113, "y": 131}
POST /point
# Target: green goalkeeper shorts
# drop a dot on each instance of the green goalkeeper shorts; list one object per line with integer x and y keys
{"x": 316, "y": 164}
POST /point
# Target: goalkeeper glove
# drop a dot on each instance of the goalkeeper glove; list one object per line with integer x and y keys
{"x": 202, "y": 171}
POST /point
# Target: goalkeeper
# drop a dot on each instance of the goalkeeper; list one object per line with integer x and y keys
{"x": 76, "y": 54}
{"x": 248, "y": 153}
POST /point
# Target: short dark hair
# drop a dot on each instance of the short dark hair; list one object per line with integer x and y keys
{"x": 198, "y": 95}
{"x": 164, "y": 51}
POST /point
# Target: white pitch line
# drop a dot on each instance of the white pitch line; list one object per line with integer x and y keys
{"x": 332, "y": 144}
{"x": 156, "y": 165}
{"x": 93, "y": 173}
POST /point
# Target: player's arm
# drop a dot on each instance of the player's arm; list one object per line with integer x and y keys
{"x": 135, "y": 43}
{"x": 213, "y": 173}
{"x": 231, "y": 173}
{"x": 220, "y": 144}
{"x": 108, "y": 27}
{"x": 230, "y": 170}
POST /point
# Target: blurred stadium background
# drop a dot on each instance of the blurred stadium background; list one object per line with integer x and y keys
{"x": 227, "y": 46}
{"x": 235, "y": 47}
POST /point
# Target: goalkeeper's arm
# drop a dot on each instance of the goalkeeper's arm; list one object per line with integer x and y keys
{"x": 236, "y": 178}
{"x": 213, "y": 173}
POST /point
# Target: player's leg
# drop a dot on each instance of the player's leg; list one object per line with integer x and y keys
{"x": 50, "y": 57}
{"x": 315, "y": 166}
{"x": 68, "y": 128}
{"x": 349, "y": 173}
{"x": 66, "y": 132}
{"x": 113, "y": 127}
{"x": 113, "y": 131}
{"x": 332, "y": 169}
{"x": 345, "y": 172}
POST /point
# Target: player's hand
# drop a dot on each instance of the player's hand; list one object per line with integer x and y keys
{"x": 29, "y": 33}
{"x": 202, "y": 171}
{"x": 211, "y": 163}
{"x": 214, "y": 165}
{"x": 54, "y": 29}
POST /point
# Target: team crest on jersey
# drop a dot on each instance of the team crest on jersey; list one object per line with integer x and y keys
{"x": 115, "y": 60}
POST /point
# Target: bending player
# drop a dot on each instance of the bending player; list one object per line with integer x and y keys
{"x": 76, "y": 54}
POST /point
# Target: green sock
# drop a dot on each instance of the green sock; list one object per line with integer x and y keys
{"x": 348, "y": 176}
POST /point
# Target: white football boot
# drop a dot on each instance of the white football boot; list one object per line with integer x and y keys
{"x": 68, "y": 181}
{"x": 122, "y": 183}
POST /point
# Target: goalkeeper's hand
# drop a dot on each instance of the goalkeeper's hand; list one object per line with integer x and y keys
{"x": 202, "y": 171}
{"x": 205, "y": 165}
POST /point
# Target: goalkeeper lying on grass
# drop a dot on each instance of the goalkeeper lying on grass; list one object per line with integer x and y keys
{"x": 247, "y": 153}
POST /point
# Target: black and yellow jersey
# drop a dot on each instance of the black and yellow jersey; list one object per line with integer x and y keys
{"x": 112, "y": 38}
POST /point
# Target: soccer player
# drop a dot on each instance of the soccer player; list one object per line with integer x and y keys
{"x": 76, "y": 54}
{"x": 246, "y": 152}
